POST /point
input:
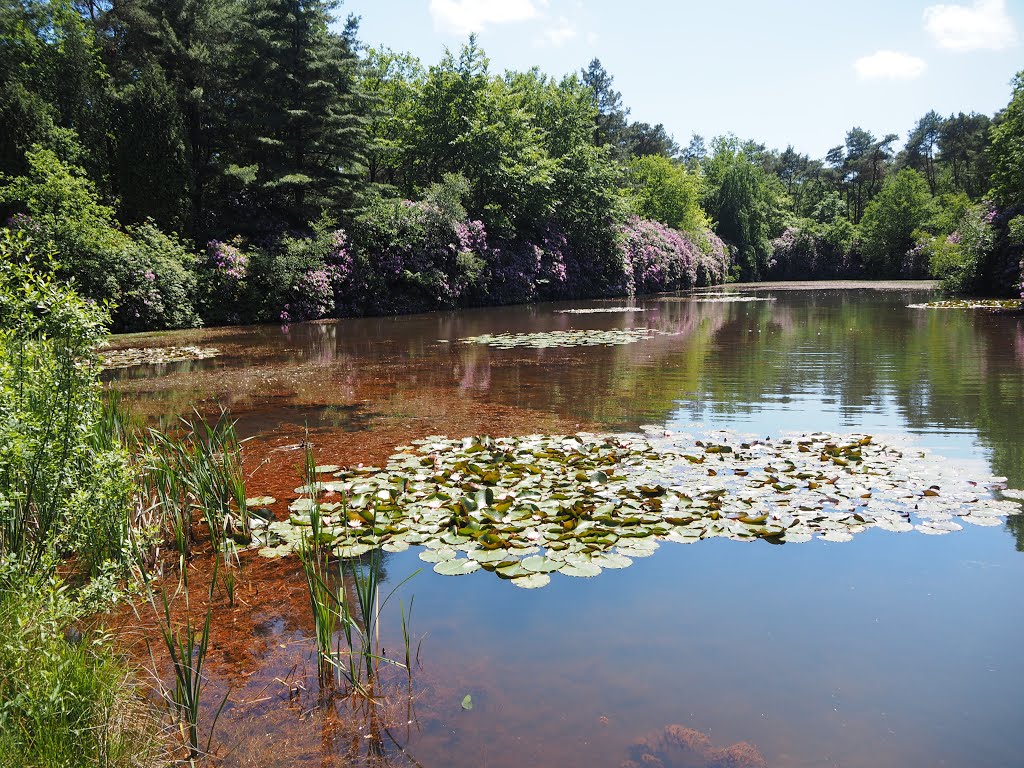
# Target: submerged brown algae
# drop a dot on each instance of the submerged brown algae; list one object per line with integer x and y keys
{"x": 819, "y": 654}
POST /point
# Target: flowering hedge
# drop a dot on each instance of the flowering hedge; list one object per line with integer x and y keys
{"x": 658, "y": 258}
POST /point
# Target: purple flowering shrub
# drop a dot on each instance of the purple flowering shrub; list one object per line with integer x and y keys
{"x": 223, "y": 276}
{"x": 419, "y": 255}
{"x": 656, "y": 258}
{"x": 156, "y": 275}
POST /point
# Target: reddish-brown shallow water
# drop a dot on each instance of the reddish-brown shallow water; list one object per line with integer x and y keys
{"x": 893, "y": 650}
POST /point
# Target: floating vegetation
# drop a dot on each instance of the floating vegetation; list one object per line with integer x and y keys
{"x": 999, "y": 305}
{"x": 131, "y": 356}
{"x": 729, "y": 299}
{"x": 598, "y": 310}
{"x": 581, "y": 338}
{"x": 527, "y": 507}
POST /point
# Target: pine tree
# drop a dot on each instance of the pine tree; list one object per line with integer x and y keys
{"x": 298, "y": 111}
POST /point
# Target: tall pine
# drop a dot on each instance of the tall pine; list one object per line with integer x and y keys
{"x": 298, "y": 119}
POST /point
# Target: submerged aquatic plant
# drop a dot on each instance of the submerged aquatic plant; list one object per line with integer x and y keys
{"x": 132, "y": 356}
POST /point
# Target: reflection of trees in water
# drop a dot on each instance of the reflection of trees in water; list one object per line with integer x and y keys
{"x": 945, "y": 369}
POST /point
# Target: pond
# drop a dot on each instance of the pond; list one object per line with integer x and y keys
{"x": 892, "y": 649}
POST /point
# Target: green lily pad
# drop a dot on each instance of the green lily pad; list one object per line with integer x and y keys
{"x": 532, "y": 581}
{"x": 580, "y": 569}
{"x": 539, "y": 564}
{"x": 459, "y": 567}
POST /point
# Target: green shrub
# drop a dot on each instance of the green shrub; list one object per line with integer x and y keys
{"x": 147, "y": 276}
{"x": 957, "y": 259}
{"x": 63, "y": 489}
{"x": 65, "y": 700}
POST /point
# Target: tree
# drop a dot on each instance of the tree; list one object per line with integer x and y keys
{"x": 744, "y": 202}
{"x": 610, "y": 122}
{"x": 893, "y": 219}
{"x": 150, "y": 172}
{"x": 922, "y": 144}
{"x": 194, "y": 45}
{"x": 1007, "y": 150}
{"x": 662, "y": 190}
{"x": 297, "y": 118}
{"x": 695, "y": 152}
{"x": 963, "y": 141}
{"x": 390, "y": 82}
{"x": 642, "y": 139}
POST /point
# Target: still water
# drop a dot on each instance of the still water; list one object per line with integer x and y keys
{"x": 890, "y": 650}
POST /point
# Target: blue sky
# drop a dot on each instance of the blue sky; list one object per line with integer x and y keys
{"x": 789, "y": 71}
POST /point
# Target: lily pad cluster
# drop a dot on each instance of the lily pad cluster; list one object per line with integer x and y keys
{"x": 526, "y": 507}
{"x": 991, "y": 304}
{"x": 598, "y": 310}
{"x": 576, "y": 338}
{"x": 732, "y": 299}
{"x": 131, "y": 356}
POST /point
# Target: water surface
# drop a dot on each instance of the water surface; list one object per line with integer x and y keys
{"x": 891, "y": 650}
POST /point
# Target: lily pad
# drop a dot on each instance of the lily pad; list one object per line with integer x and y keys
{"x": 532, "y": 581}
{"x": 580, "y": 569}
{"x": 459, "y": 567}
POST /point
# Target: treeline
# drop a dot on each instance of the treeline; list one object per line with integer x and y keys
{"x": 948, "y": 204}
{"x": 227, "y": 161}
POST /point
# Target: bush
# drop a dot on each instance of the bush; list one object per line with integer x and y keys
{"x": 658, "y": 258}
{"x": 147, "y": 276}
{"x": 414, "y": 256}
{"x": 64, "y": 698}
{"x": 957, "y": 259}
{"x": 810, "y": 250}
{"x": 63, "y": 489}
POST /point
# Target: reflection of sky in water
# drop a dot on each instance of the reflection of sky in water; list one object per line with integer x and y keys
{"x": 892, "y": 650}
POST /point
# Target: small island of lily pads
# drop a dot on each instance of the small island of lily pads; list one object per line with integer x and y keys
{"x": 526, "y": 507}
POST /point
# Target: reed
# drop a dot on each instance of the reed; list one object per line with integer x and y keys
{"x": 187, "y": 645}
{"x": 355, "y": 619}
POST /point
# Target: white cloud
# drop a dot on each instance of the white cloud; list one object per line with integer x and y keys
{"x": 984, "y": 25}
{"x": 560, "y": 31}
{"x": 464, "y": 16}
{"x": 893, "y": 65}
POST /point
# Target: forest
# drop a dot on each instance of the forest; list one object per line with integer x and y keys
{"x": 211, "y": 162}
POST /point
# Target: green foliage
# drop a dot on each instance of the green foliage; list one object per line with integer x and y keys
{"x": 150, "y": 168}
{"x": 662, "y": 190}
{"x": 746, "y": 204}
{"x": 892, "y": 220}
{"x": 64, "y": 698}
{"x": 1007, "y": 151}
{"x": 295, "y": 79}
{"x": 146, "y": 275}
{"x": 63, "y": 488}
{"x": 957, "y": 259}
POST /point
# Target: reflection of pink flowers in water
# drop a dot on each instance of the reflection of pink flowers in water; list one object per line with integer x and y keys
{"x": 476, "y": 377}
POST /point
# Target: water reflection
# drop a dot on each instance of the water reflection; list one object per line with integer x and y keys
{"x": 882, "y": 653}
